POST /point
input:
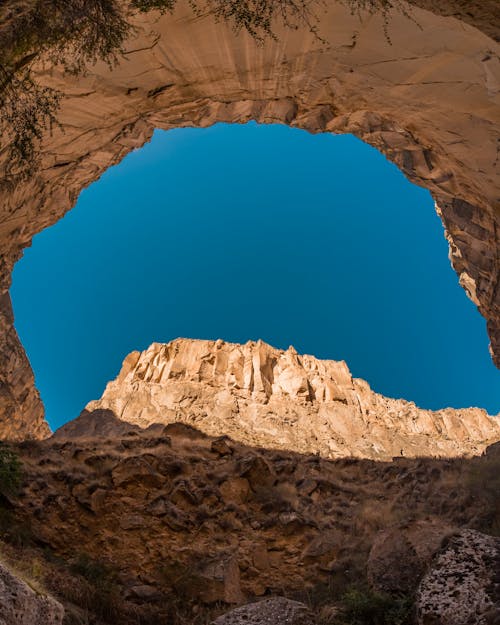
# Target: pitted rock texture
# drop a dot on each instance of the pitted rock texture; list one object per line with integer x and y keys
{"x": 276, "y": 610}
{"x": 21, "y": 605}
{"x": 278, "y": 399}
{"x": 429, "y": 101}
{"x": 463, "y": 585}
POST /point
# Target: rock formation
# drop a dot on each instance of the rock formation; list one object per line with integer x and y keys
{"x": 428, "y": 100}
{"x": 22, "y": 605}
{"x": 278, "y": 399}
{"x": 463, "y": 585}
{"x": 268, "y": 612}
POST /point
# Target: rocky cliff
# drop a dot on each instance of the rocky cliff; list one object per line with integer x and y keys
{"x": 278, "y": 399}
{"x": 429, "y": 100}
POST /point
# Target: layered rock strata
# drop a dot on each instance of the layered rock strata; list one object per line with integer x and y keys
{"x": 278, "y": 399}
{"x": 429, "y": 100}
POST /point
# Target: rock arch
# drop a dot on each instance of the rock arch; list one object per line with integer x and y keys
{"x": 429, "y": 101}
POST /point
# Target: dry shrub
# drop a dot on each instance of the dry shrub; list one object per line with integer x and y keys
{"x": 483, "y": 482}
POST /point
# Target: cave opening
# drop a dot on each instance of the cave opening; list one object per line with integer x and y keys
{"x": 244, "y": 232}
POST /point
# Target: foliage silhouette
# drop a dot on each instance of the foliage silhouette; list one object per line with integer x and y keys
{"x": 78, "y": 33}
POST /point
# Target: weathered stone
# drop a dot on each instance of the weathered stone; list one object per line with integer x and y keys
{"x": 220, "y": 446}
{"x": 136, "y": 471}
{"x": 235, "y": 490}
{"x": 431, "y": 111}
{"x": 216, "y": 580}
{"x": 132, "y": 522}
{"x": 255, "y": 394}
{"x": 145, "y": 592}
{"x": 275, "y": 611}
{"x": 21, "y": 605}
{"x": 463, "y": 585}
{"x": 400, "y": 556}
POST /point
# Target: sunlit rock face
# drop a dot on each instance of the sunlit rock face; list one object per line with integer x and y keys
{"x": 278, "y": 399}
{"x": 429, "y": 100}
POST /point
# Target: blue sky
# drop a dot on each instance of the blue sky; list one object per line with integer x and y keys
{"x": 247, "y": 232}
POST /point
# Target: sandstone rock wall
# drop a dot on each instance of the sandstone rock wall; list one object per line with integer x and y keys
{"x": 272, "y": 398}
{"x": 429, "y": 101}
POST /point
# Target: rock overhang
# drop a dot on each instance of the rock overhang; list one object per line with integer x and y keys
{"x": 429, "y": 101}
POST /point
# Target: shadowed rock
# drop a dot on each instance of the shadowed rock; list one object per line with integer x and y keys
{"x": 21, "y": 605}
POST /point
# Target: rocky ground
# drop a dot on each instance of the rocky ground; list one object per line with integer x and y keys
{"x": 169, "y": 525}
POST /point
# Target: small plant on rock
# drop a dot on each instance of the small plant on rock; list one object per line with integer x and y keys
{"x": 10, "y": 471}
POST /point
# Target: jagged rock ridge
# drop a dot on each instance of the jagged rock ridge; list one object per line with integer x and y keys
{"x": 272, "y": 398}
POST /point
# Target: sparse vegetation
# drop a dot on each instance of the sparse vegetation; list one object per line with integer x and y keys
{"x": 365, "y": 607}
{"x": 256, "y": 17}
{"x": 10, "y": 471}
{"x": 483, "y": 482}
{"x": 324, "y": 543}
{"x": 93, "y": 571}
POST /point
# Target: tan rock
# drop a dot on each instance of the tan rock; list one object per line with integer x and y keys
{"x": 179, "y": 534}
{"x": 429, "y": 101}
{"x": 256, "y": 395}
{"x": 217, "y": 580}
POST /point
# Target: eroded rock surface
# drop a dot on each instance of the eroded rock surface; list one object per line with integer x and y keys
{"x": 277, "y": 610}
{"x": 279, "y": 399}
{"x": 21, "y": 605}
{"x": 429, "y": 101}
{"x": 463, "y": 585}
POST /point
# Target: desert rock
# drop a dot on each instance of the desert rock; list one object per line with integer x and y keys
{"x": 400, "y": 556}
{"x": 279, "y": 399}
{"x": 175, "y": 520}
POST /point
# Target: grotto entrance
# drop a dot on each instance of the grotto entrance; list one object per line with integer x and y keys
{"x": 426, "y": 101}
{"x": 249, "y": 232}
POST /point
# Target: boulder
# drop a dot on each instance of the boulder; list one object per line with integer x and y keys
{"x": 273, "y": 611}
{"x": 22, "y": 605}
{"x": 216, "y": 579}
{"x": 463, "y": 585}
